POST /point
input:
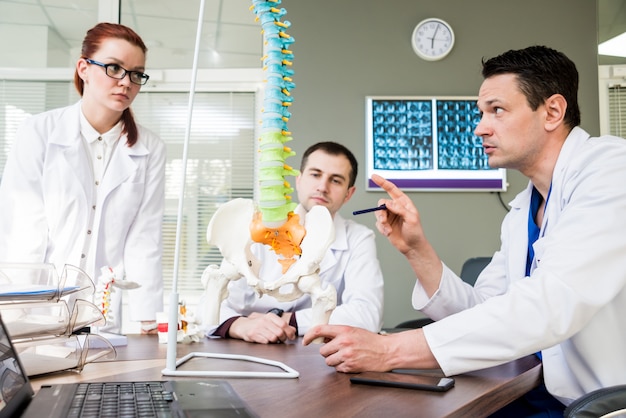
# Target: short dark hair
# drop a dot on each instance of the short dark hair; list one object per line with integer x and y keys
{"x": 541, "y": 72}
{"x": 333, "y": 148}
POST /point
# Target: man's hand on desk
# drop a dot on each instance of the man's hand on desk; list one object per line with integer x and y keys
{"x": 263, "y": 328}
{"x": 350, "y": 349}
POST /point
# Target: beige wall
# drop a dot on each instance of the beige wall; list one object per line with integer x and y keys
{"x": 346, "y": 50}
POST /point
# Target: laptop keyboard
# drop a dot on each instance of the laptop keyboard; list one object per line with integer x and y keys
{"x": 132, "y": 399}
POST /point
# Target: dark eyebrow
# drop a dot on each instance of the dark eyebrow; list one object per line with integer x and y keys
{"x": 488, "y": 103}
{"x": 493, "y": 101}
{"x": 121, "y": 64}
{"x": 334, "y": 176}
{"x": 317, "y": 170}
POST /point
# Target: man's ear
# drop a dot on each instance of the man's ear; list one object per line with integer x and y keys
{"x": 555, "y": 106}
{"x": 349, "y": 193}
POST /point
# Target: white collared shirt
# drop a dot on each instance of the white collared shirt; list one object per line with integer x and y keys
{"x": 99, "y": 146}
{"x": 99, "y": 149}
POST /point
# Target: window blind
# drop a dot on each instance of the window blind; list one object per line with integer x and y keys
{"x": 617, "y": 110}
{"x": 20, "y": 99}
{"x": 220, "y": 165}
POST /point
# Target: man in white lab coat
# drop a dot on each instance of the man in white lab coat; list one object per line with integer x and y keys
{"x": 557, "y": 286}
{"x": 328, "y": 174}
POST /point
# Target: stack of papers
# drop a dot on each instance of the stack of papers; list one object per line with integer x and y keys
{"x": 12, "y": 291}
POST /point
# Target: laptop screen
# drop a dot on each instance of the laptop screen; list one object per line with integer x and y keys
{"x": 15, "y": 389}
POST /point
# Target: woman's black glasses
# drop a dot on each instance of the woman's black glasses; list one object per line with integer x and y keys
{"x": 117, "y": 72}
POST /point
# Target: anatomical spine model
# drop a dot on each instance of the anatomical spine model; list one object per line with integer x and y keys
{"x": 300, "y": 239}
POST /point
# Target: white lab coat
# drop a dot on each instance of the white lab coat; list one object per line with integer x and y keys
{"x": 351, "y": 265}
{"x": 46, "y": 198}
{"x": 572, "y": 308}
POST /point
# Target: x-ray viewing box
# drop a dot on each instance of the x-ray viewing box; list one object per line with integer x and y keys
{"x": 428, "y": 143}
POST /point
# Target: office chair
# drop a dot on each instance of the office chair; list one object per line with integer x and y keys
{"x": 469, "y": 273}
{"x": 606, "y": 402}
{"x": 414, "y": 323}
{"x": 473, "y": 267}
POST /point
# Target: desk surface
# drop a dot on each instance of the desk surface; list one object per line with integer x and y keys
{"x": 319, "y": 390}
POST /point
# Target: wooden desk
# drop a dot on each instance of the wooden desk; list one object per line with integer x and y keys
{"x": 320, "y": 390}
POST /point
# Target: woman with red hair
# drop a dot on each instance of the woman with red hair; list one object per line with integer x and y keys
{"x": 84, "y": 184}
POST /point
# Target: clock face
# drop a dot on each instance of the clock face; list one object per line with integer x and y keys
{"x": 432, "y": 39}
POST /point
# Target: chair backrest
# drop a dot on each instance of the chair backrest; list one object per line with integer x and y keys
{"x": 414, "y": 323}
{"x": 469, "y": 273}
{"x": 606, "y": 402}
{"x": 472, "y": 268}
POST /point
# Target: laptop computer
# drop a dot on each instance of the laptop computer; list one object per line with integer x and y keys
{"x": 175, "y": 398}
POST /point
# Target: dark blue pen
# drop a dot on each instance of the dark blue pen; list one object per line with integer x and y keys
{"x": 381, "y": 207}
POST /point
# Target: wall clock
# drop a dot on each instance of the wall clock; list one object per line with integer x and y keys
{"x": 432, "y": 39}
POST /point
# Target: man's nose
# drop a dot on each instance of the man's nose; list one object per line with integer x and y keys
{"x": 322, "y": 184}
{"x": 481, "y": 128}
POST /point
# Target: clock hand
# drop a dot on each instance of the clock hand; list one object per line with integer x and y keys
{"x": 432, "y": 40}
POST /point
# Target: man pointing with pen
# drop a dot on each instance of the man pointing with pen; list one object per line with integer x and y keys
{"x": 557, "y": 285}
